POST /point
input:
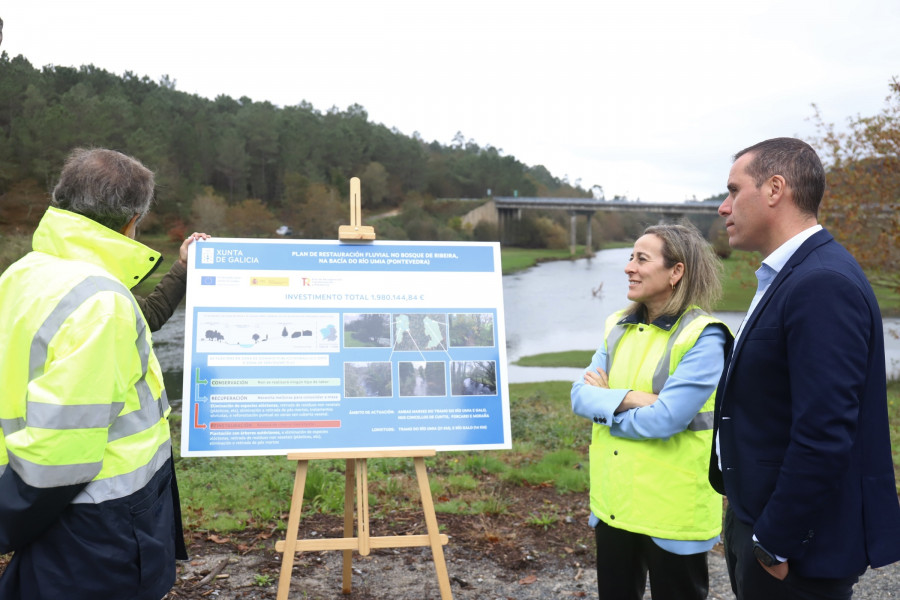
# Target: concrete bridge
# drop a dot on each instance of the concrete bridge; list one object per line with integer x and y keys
{"x": 504, "y": 210}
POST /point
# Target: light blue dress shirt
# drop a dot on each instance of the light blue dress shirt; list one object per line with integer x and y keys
{"x": 771, "y": 266}
{"x": 684, "y": 394}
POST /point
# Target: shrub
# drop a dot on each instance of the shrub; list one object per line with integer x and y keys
{"x": 718, "y": 237}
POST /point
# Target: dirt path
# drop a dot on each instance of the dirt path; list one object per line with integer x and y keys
{"x": 410, "y": 575}
{"x": 496, "y": 557}
{"x": 489, "y": 557}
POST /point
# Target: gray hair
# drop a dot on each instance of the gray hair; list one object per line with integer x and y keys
{"x": 105, "y": 186}
{"x": 701, "y": 284}
{"x": 796, "y": 161}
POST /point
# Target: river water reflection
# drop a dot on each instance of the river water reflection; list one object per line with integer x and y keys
{"x": 553, "y": 307}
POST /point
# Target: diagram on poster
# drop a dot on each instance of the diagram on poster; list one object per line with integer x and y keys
{"x": 309, "y": 345}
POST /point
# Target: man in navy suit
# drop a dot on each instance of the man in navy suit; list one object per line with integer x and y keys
{"x": 802, "y": 447}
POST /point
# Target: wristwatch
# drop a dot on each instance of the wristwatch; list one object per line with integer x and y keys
{"x": 764, "y": 556}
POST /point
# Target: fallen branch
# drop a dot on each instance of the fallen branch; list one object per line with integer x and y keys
{"x": 212, "y": 574}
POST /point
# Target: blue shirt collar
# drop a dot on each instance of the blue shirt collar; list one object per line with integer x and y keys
{"x": 664, "y": 322}
{"x": 784, "y": 252}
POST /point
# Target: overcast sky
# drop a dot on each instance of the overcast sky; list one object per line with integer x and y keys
{"x": 648, "y": 99}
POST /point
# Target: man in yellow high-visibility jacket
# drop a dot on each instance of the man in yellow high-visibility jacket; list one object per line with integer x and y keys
{"x": 88, "y": 501}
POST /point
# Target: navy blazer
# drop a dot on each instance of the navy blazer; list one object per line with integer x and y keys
{"x": 801, "y": 419}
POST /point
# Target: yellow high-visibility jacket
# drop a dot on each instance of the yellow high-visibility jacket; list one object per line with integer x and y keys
{"x": 656, "y": 487}
{"x": 83, "y": 414}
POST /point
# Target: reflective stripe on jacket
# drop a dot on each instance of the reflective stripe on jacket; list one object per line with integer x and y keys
{"x": 656, "y": 487}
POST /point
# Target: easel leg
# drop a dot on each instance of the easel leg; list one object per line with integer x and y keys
{"x": 437, "y": 549}
{"x": 362, "y": 505}
{"x": 357, "y": 488}
{"x": 349, "y": 496}
{"x": 290, "y": 541}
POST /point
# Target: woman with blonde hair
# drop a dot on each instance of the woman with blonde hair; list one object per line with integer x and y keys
{"x": 649, "y": 392}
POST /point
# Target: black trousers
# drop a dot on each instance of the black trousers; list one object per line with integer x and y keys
{"x": 624, "y": 559}
{"x": 750, "y": 581}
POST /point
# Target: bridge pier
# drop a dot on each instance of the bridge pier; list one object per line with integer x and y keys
{"x": 671, "y": 217}
{"x": 505, "y": 222}
{"x": 588, "y": 248}
{"x": 572, "y": 216}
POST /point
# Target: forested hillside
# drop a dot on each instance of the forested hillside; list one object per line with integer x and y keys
{"x": 237, "y": 166}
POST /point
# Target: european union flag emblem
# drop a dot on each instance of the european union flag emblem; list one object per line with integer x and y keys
{"x": 208, "y": 280}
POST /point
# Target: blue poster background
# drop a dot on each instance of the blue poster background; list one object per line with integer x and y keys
{"x": 308, "y": 345}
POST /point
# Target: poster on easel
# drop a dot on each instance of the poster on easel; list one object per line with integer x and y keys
{"x": 318, "y": 345}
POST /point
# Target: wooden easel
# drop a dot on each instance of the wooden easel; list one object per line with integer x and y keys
{"x": 356, "y": 476}
{"x": 355, "y": 231}
{"x": 357, "y": 480}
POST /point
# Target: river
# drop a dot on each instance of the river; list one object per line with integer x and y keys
{"x": 553, "y": 307}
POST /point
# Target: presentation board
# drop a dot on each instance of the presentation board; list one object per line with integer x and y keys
{"x": 313, "y": 345}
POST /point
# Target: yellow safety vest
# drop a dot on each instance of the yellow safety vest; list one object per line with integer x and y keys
{"x": 656, "y": 487}
{"x": 81, "y": 391}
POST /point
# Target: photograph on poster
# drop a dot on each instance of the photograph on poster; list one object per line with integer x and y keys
{"x": 471, "y": 329}
{"x": 473, "y": 378}
{"x": 422, "y": 378}
{"x": 368, "y": 380}
{"x": 367, "y": 330}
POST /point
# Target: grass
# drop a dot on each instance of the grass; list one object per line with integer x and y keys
{"x": 888, "y": 301}
{"x": 894, "y": 420}
{"x": 738, "y": 281}
{"x": 543, "y": 520}
{"x": 519, "y": 259}
{"x": 739, "y": 285}
{"x": 225, "y": 494}
{"x": 579, "y": 359}
{"x": 571, "y": 358}
{"x": 350, "y": 340}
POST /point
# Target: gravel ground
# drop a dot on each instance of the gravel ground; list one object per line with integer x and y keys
{"x": 409, "y": 574}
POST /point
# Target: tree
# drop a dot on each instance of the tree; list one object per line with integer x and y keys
{"x": 718, "y": 238}
{"x": 208, "y": 212}
{"x": 258, "y": 126}
{"x": 862, "y": 201}
{"x": 374, "y": 183}
{"x": 251, "y": 218}
{"x": 371, "y": 328}
{"x": 233, "y": 163}
{"x": 23, "y": 205}
{"x": 322, "y": 213}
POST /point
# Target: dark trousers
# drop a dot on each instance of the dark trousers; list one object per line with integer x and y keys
{"x": 624, "y": 559}
{"x": 750, "y": 581}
